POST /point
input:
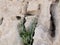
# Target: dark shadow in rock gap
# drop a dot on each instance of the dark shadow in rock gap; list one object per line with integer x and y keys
{"x": 56, "y": 1}
{"x": 52, "y": 25}
{"x": 28, "y": 14}
{"x": 1, "y": 20}
{"x": 18, "y": 17}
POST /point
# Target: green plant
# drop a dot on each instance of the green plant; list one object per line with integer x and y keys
{"x": 27, "y": 36}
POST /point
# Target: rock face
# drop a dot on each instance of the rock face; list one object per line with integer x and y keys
{"x": 29, "y": 21}
{"x": 41, "y": 36}
{"x": 9, "y": 19}
{"x": 13, "y": 12}
{"x": 56, "y": 15}
{"x": 8, "y": 31}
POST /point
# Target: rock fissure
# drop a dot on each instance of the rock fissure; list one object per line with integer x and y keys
{"x": 52, "y": 26}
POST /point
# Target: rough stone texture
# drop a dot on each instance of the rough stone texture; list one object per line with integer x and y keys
{"x": 9, "y": 9}
{"x": 56, "y": 15}
{"x": 8, "y": 28}
{"x": 33, "y": 6}
{"x": 29, "y": 22}
{"x": 41, "y": 36}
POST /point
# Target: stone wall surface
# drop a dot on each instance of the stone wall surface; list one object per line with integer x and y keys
{"x": 13, "y": 12}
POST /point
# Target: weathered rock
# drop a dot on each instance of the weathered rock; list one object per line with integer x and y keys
{"x": 56, "y": 14}
{"x": 9, "y": 34}
{"x": 42, "y": 29}
{"x": 41, "y": 36}
{"x": 29, "y": 21}
{"x": 12, "y": 12}
{"x": 32, "y": 6}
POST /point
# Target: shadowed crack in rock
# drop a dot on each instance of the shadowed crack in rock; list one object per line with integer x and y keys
{"x": 1, "y": 20}
{"x": 52, "y": 25}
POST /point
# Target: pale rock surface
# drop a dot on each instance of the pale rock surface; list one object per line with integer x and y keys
{"x": 33, "y": 5}
{"x": 29, "y": 21}
{"x": 9, "y": 34}
{"x": 42, "y": 36}
{"x": 56, "y": 15}
{"x": 9, "y": 9}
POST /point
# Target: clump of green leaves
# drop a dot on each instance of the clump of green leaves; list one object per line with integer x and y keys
{"x": 27, "y": 36}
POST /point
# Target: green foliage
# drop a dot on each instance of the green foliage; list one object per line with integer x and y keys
{"x": 27, "y": 36}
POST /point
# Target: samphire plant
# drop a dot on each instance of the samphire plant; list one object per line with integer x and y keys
{"x": 27, "y": 36}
